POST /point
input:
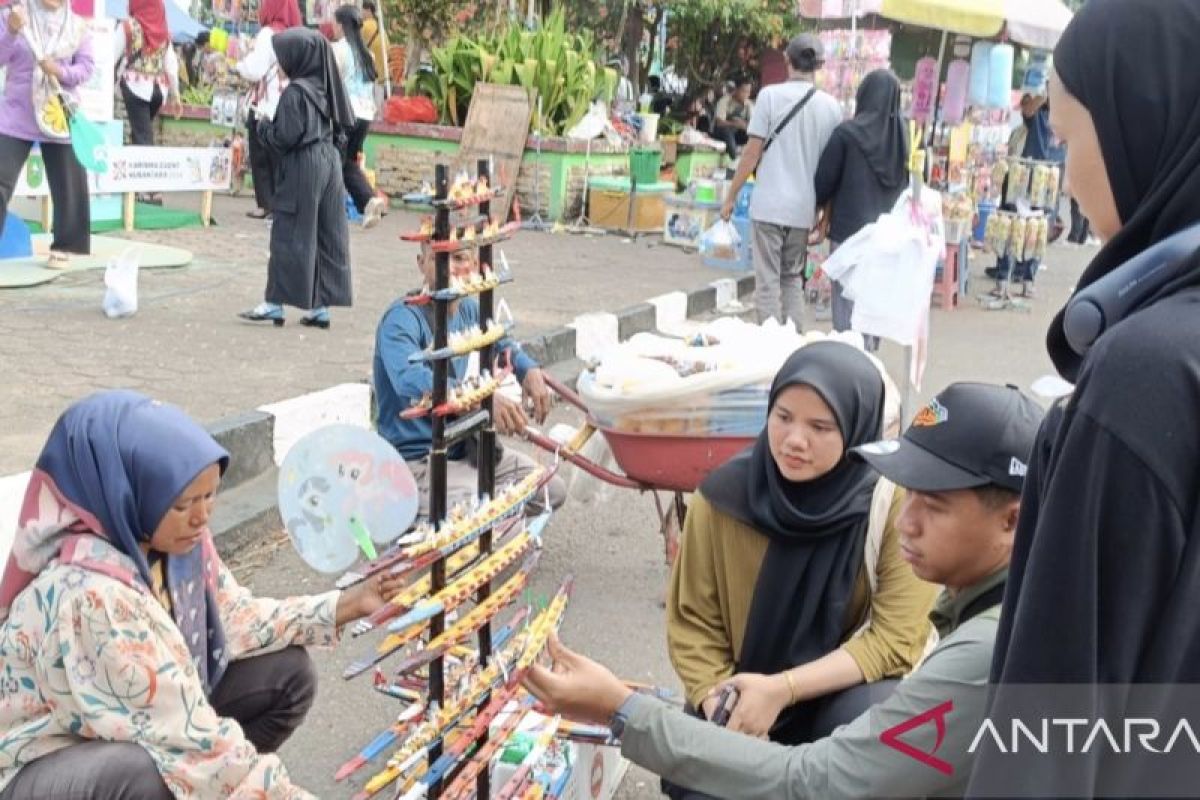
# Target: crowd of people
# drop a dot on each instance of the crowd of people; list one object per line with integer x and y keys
{"x": 836, "y": 580}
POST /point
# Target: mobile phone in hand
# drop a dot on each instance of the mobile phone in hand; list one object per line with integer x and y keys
{"x": 726, "y": 702}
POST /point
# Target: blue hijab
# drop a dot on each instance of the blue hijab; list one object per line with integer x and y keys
{"x": 125, "y": 459}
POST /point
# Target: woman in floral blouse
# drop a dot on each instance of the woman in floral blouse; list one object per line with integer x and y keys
{"x": 132, "y": 664}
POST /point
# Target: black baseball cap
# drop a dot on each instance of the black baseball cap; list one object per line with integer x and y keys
{"x": 805, "y": 52}
{"x": 970, "y": 435}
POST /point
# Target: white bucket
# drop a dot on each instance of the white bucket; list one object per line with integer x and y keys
{"x": 649, "y": 132}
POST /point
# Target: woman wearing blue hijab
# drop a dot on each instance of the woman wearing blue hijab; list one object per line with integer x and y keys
{"x": 134, "y": 665}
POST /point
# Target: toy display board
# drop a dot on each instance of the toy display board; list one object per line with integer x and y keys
{"x": 849, "y": 56}
{"x": 462, "y": 633}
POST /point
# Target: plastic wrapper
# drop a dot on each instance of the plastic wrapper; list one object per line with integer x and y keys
{"x": 1018, "y": 181}
{"x": 1038, "y": 189}
{"x": 1042, "y": 238}
{"x": 1030, "y": 248}
{"x": 1016, "y": 241}
{"x": 998, "y": 233}
{"x": 720, "y": 241}
{"x": 715, "y": 384}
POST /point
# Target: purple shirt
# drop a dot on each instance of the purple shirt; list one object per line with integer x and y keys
{"x": 16, "y": 108}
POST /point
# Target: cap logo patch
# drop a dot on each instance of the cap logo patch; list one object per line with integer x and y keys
{"x": 884, "y": 448}
{"x": 933, "y": 414}
{"x": 1017, "y": 468}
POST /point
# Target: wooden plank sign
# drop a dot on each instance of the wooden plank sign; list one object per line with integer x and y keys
{"x": 497, "y": 127}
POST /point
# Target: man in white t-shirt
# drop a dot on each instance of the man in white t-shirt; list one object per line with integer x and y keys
{"x": 785, "y": 152}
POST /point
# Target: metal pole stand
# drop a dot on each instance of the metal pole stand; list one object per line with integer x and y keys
{"x": 536, "y": 222}
{"x": 582, "y": 224}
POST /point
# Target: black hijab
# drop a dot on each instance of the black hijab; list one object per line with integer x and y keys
{"x": 879, "y": 130}
{"x": 307, "y": 60}
{"x": 1131, "y": 63}
{"x": 817, "y": 529}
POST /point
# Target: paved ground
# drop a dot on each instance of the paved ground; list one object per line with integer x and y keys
{"x": 186, "y": 347}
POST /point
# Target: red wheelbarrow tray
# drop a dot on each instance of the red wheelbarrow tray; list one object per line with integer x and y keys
{"x": 650, "y": 461}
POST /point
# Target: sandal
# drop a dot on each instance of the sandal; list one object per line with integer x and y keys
{"x": 58, "y": 260}
{"x": 258, "y": 213}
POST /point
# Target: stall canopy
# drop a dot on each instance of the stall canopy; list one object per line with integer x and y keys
{"x": 183, "y": 28}
{"x": 1033, "y": 23}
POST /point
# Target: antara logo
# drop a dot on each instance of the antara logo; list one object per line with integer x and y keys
{"x": 936, "y": 715}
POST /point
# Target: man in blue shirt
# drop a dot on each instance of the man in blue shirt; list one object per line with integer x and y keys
{"x": 405, "y": 330}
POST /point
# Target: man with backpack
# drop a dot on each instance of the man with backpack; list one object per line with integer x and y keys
{"x": 791, "y": 124}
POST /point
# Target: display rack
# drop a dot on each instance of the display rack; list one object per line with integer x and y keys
{"x": 474, "y": 560}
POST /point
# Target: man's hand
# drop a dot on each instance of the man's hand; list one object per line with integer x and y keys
{"x": 509, "y": 417}
{"x": 760, "y": 699}
{"x": 576, "y": 686}
{"x": 820, "y": 229}
{"x": 16, "y": 20}
{"x": 727, "y": 208}
{"x": 175, "y": 106}
{"x": 367, "y": 597}
{"x": 51, "y": 68}
{"x": 537, "y": 393}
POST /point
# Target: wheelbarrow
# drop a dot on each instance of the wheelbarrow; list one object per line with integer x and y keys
{"x": 650, "y": 462}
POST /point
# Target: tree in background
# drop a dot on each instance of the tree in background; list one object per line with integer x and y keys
{"x": 708, "y": 41}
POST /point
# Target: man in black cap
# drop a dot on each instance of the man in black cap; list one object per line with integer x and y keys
{"x": 789, "y": 127}
{"x": 963, "y": 463}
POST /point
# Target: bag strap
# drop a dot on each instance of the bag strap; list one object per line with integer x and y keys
{"x": 881, "y": 506}
{"x": 790, "y": 116}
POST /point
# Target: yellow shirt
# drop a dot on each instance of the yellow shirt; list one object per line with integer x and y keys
{"x": 712, "y": 587}
{"x": 375, "y": 40}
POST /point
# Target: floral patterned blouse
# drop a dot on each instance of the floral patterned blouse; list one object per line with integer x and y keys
{"x": 86, "y": 656}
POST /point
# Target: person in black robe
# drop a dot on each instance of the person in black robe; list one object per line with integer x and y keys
{"x": 1105, "y": 580}
{"x": 310, "y": 240}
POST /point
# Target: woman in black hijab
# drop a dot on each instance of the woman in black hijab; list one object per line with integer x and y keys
{"x": 310, "y": 241}
{"x": 863, "y": 171}
{"x": 776, "y": 574}
{"x": 1105, "y": 580}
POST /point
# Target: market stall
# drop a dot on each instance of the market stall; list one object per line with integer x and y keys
{"x": 961, "y": 110}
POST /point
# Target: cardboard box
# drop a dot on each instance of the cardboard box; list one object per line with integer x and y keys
{"x": 608, "y": 205}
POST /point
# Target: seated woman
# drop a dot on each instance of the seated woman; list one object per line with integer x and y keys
{"x": 790, "y": 577}
{"x": 135, "y": 666}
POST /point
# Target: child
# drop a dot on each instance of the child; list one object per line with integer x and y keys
{"x": 310, "y": 250}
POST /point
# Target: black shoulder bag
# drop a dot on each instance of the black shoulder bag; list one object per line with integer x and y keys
{"x": 790, "y": 116}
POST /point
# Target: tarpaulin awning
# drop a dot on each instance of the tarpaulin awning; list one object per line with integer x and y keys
{"x": 1033, "y": 23}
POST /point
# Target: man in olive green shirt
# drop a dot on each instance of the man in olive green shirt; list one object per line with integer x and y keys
{"x": 963, "y": 462}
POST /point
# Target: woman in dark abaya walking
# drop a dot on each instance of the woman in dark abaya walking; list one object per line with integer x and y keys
{"x": 862, "y": 172}
{"x": 310, "y": 240}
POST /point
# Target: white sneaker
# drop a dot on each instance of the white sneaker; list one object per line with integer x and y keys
{"x": 373, "y": 212}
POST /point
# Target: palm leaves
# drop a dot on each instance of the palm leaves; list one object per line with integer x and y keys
{"x": 551, "y": 63}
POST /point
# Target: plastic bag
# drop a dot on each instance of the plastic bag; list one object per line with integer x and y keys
{"x": 409, "y": 109}
{"x": 121, "y": 285}
{"x": 720, "y": 241}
